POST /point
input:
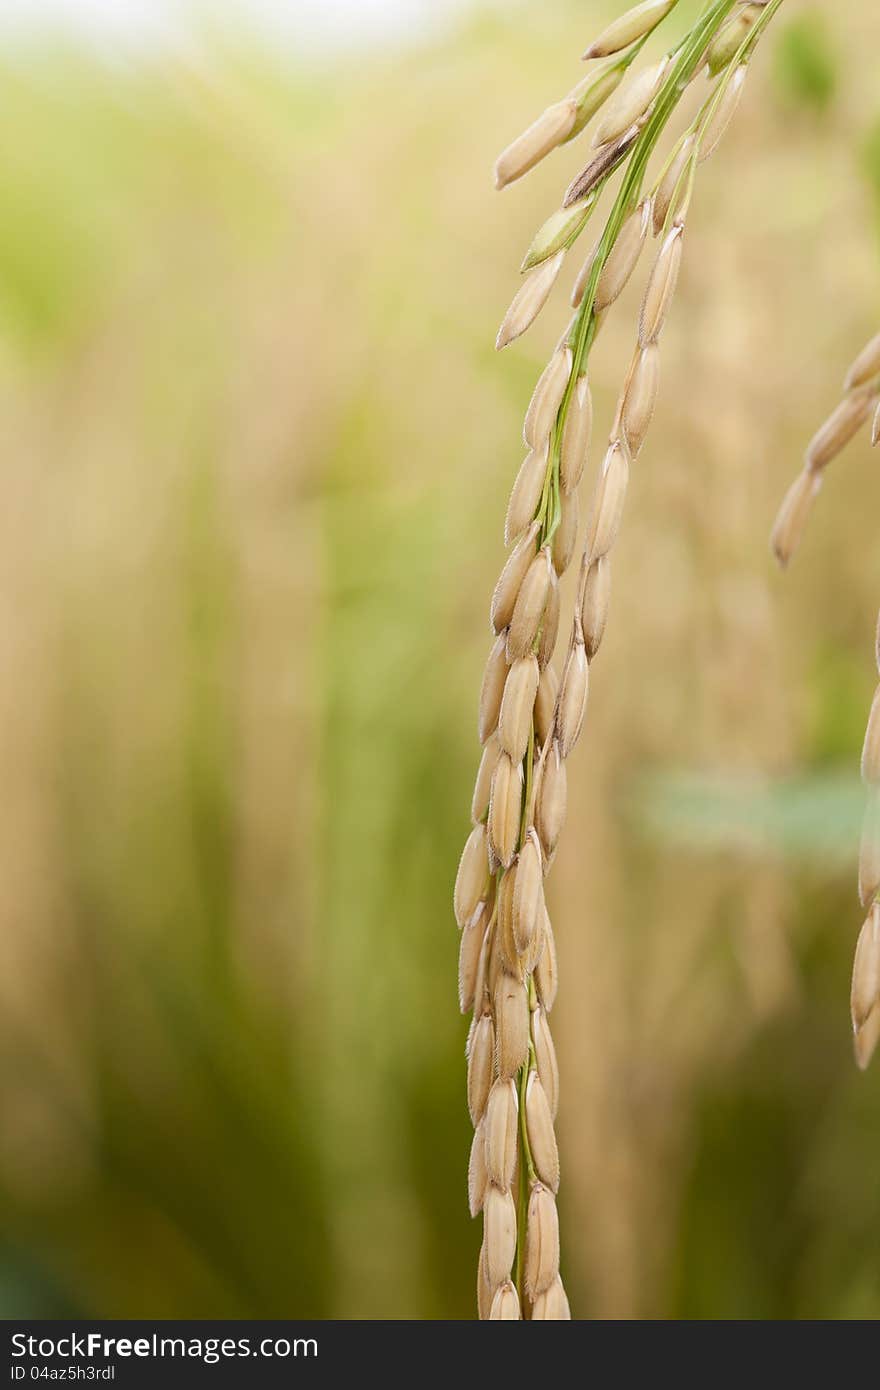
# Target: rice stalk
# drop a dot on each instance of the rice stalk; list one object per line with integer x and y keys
{"x": 530, "y": 718}
{"x": 860, "y": 402}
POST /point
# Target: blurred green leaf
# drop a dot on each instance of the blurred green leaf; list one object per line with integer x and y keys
{"x": 811, "y": 815}
{"x": 806, "y": 68}
{"x": 871, "y": 160}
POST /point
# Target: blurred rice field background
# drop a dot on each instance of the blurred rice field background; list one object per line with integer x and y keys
{"x": 256, "y": 448}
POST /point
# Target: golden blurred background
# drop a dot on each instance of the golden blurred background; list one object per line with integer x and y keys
{"x": 256, "y": 448}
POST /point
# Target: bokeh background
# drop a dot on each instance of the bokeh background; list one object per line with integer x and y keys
{"x": 256, "y": 447}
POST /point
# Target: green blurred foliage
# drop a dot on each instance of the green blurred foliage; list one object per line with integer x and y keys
{"x": 871, "y": 163}
{"x": 806, "y": 62}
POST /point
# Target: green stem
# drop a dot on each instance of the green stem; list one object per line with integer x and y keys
{"x": 527, "y": 1173}
{"x": 689, "y": 52}
{"x": 527, "y": 785}
{"x": 684, "y": 188}
{"x": 669, "y": 96}
{"x": 521, "y": 1222}
{"x": 623, "y": 62}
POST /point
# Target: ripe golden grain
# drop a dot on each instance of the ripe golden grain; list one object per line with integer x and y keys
{"x": 542, "y": 1138}
{"x": 608, "y": 503}
{"x": 529, "y": 607}
{"x": 495, "y": 966}
{"x": 529, "y": 300}
{"x": 713, "y": 132}
{"x": 547, "y": 398}
{"x": 525, "y": 494}
{"x": 641, "y": 398}
{"x": 551, "y": 801}
{"x": 661, "y": 288}
{"x": 478, "y": 1176}
{"x": 552, "y": 1306}
{"x": 511, "y": 1002}
{"x": 865, "y": 367}
{"x": 501, "y": 1133}
{"x": 547, "y": 968}
{"x": 517, "y": 706}
{"x": 791, "y": 521}
{"x": 509, "y": 952}
{"x": 624, "y": 257}
{"x": 629, "y": 103}
{"x": 504, "y": 809}
{"x": 492, "y": 688}
{"x": 469, "y": 959}
{"x": 472, "y": 879}
{"x": 842, "y": 424}
{"x": 668, "y": 185}
{"x": 484, "y": 1291}
{"x": 628, "y": 28}
{"x": 499, "y": 1234}
{"x": 528, "y": 894}
{"x": 483, "y": 783}
{"x": 545, "y": 1058}
{"x": 482, "y": 999}
{"x": 579, "y": 288}
{"x": 575, "y": 445}
{"x": 545, "y": 704}
{"x": 542, "y": 1241}
{"x": 505, "y": 1304}
{"x": 565, "y": 539}
{"x": 549, "y": 629}
{"x": 596, "y": 601}
{"x": 866, "y": 1039}
{"x": 480, "y": 1063}
{"x": 512, "y": 575}
{"x": 542, "y": 136}
{"x": 572, "y": 704}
